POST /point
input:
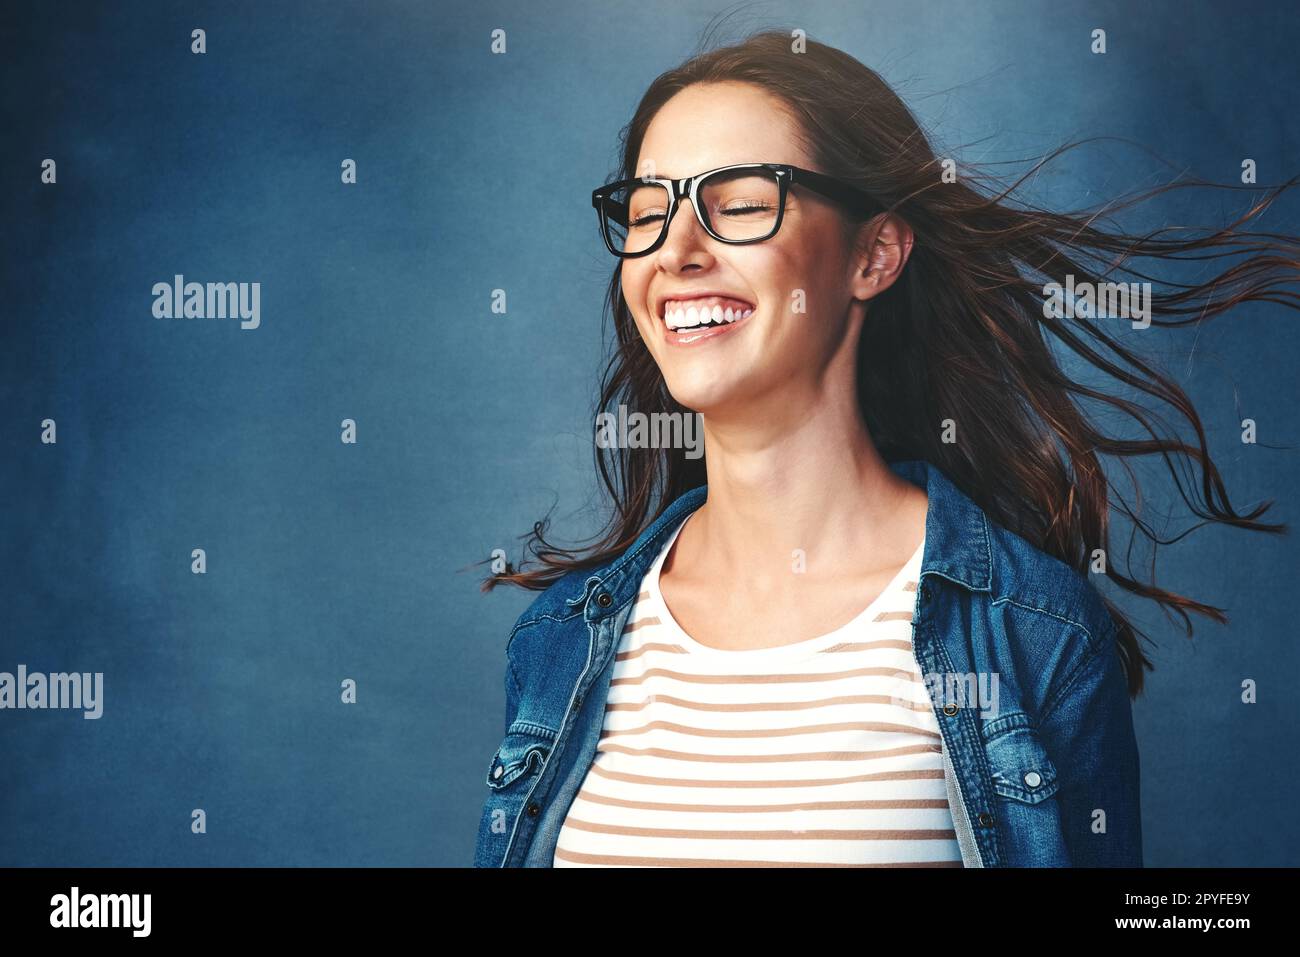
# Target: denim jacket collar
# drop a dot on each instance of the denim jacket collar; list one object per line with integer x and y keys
{"x": 957, "y": 541}
{"x": 957, "y": 536}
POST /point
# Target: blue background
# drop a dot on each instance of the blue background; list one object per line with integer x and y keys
{"x": 329, "y": 561}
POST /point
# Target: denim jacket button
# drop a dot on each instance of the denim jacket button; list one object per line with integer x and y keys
{"x": 950, "y": 709}
{"x": 986, "y": 819}
{"x": 533, "y": 810}
{"x": 1033, "y": 779}
{"x": 603, "y": 599}
{"x": 499, "y": 771}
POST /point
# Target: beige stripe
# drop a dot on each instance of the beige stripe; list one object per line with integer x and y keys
{"x": 893, "y": 616}
{"x": 632, "y": 626}
{"x": 768, "y": 679}
{"x": 897, "y": 643}
{"x": 825, "y": 834}
{"x": 891, "y": 804}
{"x": 649, "y": 646}
{"x": 929, "y": 774}
{"x": 881, "y": 726}
{"x": 769, "y": 758}
{"x": 610, "y": 859}
{"x": 769, "y": 705}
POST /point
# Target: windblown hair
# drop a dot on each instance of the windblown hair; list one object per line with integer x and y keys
{"x": 962, "y": 334}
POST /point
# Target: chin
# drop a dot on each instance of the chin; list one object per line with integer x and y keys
{"x": 699, "y": 396}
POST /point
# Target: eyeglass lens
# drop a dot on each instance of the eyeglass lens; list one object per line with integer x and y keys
{"x": 737, "y": 204}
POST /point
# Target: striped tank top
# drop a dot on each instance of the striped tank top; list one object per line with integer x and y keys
{"x": 821, "y": 753}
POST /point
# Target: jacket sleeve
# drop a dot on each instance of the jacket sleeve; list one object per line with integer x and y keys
{"x": 512, "y": 695}
{"x": 485, "y": 843}
{"x": 1089, "y": 730}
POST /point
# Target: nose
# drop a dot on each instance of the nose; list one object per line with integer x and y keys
{"x": 684, "y": 227}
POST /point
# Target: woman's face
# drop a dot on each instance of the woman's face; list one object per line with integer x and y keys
{"x": 800, "y": 283}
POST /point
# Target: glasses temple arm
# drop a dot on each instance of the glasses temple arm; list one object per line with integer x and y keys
{"x": 831, "y": 188}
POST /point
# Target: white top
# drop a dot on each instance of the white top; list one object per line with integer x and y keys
{"x": 824, "y": 752}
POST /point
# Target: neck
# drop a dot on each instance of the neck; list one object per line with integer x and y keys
{"x": 814, "y": 483}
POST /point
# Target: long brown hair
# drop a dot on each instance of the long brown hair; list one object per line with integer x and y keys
{"x": 961, "y": 334}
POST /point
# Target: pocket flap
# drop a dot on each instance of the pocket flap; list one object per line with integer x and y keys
{"x": 523, "y": 745}
{"x": 1020, "y": 766}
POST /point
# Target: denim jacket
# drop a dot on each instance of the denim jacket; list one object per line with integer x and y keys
{"x": 1018, "y": 651}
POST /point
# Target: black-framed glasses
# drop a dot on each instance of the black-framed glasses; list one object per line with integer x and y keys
{"x": 738, "y": 204}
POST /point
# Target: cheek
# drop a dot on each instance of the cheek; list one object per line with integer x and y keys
{"x": 808, "y": 279}
{"x": 786, "y": 280}
{"x": 635, "y": 286}
{"x": 647, "y": 330}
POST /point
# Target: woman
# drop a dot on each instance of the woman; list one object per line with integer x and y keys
{"x": 862, "y": 629}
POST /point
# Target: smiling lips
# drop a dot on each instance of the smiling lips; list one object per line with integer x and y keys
{"x": 704, "y": 312}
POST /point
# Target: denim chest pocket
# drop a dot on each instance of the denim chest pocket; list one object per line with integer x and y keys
{"x": 1026, "y": 782}
{"x": 1019, "y": 765}
{"x": 522, "y": 753}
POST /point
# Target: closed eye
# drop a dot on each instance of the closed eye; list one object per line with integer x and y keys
{"x": 747, "y": 208}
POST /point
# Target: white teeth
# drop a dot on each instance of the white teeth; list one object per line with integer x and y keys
{"x": 695, "y": 315}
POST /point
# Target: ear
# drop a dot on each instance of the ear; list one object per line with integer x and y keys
{"x": 881, "y": 250}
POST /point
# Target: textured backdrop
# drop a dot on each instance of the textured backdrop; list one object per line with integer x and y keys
{"x": 328, "y": 560}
